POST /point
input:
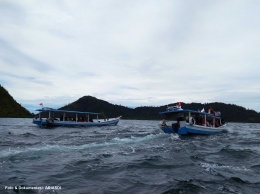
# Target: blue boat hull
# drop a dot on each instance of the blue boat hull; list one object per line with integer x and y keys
{"x": 186, "y": 130}
{"x": 43, "y": 122}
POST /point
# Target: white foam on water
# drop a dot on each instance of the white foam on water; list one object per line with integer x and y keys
{"x": 133, "y": 150}
{"x": 227, "y": 189}
{"x": 134, "y": 139}
{"x": 208, "y": 167}
{"x": 48, "y": 148}
{"x": 43, "y": 148}
{"x": 174, "y": 136}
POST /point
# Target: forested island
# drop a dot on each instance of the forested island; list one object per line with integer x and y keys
{"x": 10, "y": 108}
{"x": 230, "y": 112}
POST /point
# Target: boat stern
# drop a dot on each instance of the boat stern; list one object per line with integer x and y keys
{"x": 37, "y": 121}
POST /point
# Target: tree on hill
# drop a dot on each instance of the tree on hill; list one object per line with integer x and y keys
{"x": 9, "y": 107}
{"x": 230, "y": 112}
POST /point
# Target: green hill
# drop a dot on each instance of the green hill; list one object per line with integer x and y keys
{"x": 230, "y": 112}
{"x": 92, "y": 104}
{"x": 9, "y": 107}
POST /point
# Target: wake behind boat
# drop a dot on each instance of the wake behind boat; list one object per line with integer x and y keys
{"x": 71, "y": 118}
{"x": 191, "y": 122}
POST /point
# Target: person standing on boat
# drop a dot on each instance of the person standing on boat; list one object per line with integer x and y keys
{"x": 217, "y": 113}
{"x": 163, "y": 123}
{"x": 203, "y": 122}
{"x": 217, "y": 123}
{"x": 212, "y": 111}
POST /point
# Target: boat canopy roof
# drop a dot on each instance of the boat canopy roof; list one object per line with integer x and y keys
{"x": 177, "y": 111}
{"x": 67, "y": 111}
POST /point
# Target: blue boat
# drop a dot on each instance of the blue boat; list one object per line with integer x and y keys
{"x": 191, "y": 122}
{"x": 71, "y": 118}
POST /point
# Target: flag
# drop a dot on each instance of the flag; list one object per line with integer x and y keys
{"x": 179, "y": 104}
{"x": 40, "y": 104}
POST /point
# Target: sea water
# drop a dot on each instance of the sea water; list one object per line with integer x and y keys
{"x": 132, "y": 157}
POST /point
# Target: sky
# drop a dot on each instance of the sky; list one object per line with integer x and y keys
{"x": 131, "y": 53}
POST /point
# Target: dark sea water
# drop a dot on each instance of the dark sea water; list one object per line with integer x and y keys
{"x": 132, "y": 157}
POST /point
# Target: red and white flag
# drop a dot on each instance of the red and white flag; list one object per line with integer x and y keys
{"x": 41, "y": 104}
{"x": 179, "y": 104}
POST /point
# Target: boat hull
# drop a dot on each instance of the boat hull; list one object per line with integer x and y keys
{"x": 44, "y": 122}
{"x": 194, "y": 129}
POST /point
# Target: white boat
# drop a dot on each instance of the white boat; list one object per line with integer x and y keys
{"x": 191, "y": 122}
{"x": 71, "y": 118}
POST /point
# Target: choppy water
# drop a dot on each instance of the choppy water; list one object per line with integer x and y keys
{"x": 133, "y": 157}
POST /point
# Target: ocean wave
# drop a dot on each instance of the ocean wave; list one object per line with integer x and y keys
{"x": 186, "y": 187}
{"x": 46, "y": 148}
{"x": 131, "y": 159}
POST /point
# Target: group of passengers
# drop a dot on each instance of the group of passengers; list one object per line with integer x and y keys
{"x": 79, "y": 119}
{"x": 216, "y": 112}
{"x": 211, "y": 122}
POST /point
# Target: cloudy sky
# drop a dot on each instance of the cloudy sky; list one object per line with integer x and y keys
{"x": 133, "y": 53}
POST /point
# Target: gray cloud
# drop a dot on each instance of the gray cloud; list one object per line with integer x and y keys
{"x": 12, "y": 56}
{"x": 22, "y": 78}
{"x": 131, "y": 53}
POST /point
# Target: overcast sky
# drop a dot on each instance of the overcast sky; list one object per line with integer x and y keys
{"x": 133, "y": 53}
